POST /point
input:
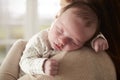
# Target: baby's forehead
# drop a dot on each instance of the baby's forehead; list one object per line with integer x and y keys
{"x": 74, "y": 10}
{"x": 81, "y": 13}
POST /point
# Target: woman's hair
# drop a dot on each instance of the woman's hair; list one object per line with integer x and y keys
{"x": 109, "y": 14}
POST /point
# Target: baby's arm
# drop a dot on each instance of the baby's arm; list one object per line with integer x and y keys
{"x": 35, "y": 54}
{"x": 99, "y": 43}
{"x": 31, "y": 61}
{"x": 35, "y": 58}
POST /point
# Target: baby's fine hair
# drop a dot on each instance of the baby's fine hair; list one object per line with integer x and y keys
{"x": 84, "y": 11}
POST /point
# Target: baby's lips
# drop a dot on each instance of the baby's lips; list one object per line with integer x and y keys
{"x": 58, "y": 47}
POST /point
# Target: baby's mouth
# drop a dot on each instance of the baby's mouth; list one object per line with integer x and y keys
{"x": 57, "y": 47}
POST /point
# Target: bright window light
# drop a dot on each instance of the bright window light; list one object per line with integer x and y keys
{"x": 17, "y": 7}
{"x": 48, "y": 8}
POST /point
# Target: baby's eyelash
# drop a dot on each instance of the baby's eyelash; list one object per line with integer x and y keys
{"x": 60, "y": 30}
{"x": 75, "y": 43}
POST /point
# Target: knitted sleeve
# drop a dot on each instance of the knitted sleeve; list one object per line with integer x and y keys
{"x": 32, "y": 59}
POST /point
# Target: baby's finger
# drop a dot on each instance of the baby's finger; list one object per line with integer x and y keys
{"x": 96, "y": 47}
{"x": 107, "y": 46}
{"x": 103, "y": 47}
{"x": 100, "y": 47}
{"x": 54, "y": 62}
{"x": 53, "y": 73}
{"x": 55, "y": 68}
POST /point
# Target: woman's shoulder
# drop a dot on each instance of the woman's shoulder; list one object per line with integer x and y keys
{"x": 86, "y": 64}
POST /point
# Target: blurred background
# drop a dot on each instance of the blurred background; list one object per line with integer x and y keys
{"x": 21, "y": 19}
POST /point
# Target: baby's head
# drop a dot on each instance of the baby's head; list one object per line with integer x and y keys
{"x": 76, "y": 24}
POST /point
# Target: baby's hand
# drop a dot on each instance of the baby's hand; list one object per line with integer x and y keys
{"x": 51, "y": 67}
{"x": 100, "y": 44}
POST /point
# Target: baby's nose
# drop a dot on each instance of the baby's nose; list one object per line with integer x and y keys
{"x": 64, "y": 40}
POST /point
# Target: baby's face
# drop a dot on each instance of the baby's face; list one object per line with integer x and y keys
{"x": 68, "y": 32}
